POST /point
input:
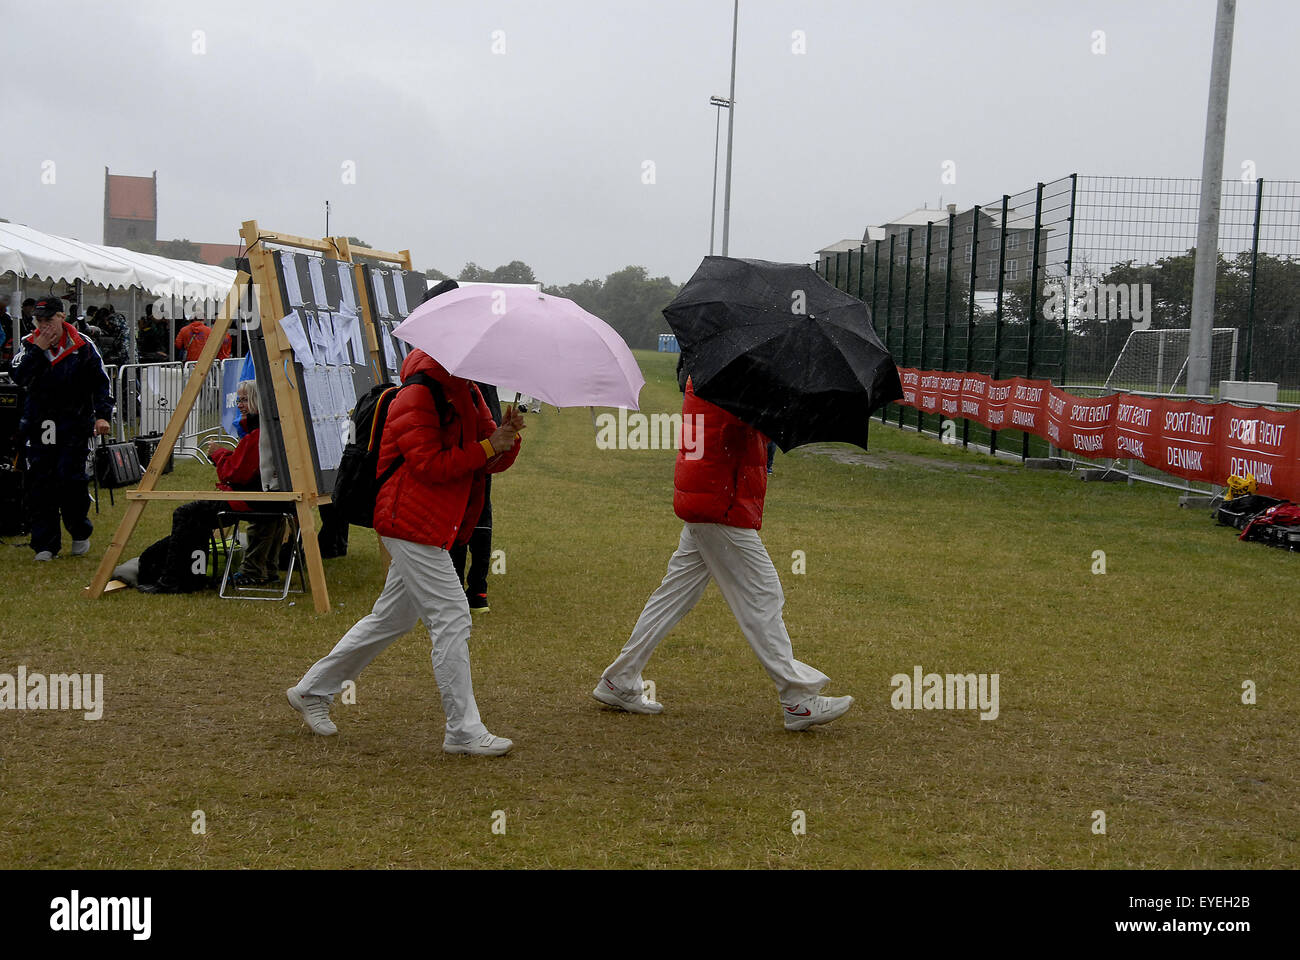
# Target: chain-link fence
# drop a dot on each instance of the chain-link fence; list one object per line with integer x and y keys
{"x": 1139, "y": 235}
{"x": 1073, "y": 281}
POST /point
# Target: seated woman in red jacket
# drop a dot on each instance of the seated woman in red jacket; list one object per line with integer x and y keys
{"x": 178, "y": 563}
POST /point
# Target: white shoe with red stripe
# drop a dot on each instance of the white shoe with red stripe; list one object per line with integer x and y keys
{"x": 315, "y": 710}
{"x": 815, "y": 711}
{"x": 631, "y": 701}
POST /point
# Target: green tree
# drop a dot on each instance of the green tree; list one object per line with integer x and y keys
{"x": 516, "y": 271}
{"x": 634, "y": 304}
{"x": 143, "y": 246}
{"x": 589, "y": 294}
{"x": 180, "y": 250}
{"x": 436, "y": 275}
{"x": 629, "y": 300}
{"x": 1270, "y": 351}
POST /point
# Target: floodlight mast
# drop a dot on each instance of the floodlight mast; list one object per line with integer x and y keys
{"x": 1207, "y": 227}
{"x": 718, "y": 102}
{"x": 731, "y": 126}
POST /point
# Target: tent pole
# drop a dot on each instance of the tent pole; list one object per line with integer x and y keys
{"x": 132, "y": 321}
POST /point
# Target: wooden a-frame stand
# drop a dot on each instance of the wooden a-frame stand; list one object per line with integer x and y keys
{"x": 302, "y": 490}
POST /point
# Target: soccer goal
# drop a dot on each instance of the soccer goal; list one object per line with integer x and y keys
{"x": 1155, "y": 361}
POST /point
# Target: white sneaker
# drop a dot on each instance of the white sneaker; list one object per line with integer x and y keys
{"x": 485, "y": 746}
{"x": 80, "y": 548}
{"x": 634, "y": 702}
{"x": 814, "y": 711}
{"x": 315, "y": 710}
{"x": 44, "y": 555}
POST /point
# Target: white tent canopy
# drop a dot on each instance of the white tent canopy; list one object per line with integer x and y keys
{"x": 42, "y": 256}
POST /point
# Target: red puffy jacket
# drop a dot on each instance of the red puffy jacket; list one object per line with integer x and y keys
{"x": 436, "y": 495}
{"x": 238, "y": 469}
{"x": 727, "y": 483}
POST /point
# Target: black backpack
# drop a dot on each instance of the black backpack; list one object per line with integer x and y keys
{"x": 358, "y": 481}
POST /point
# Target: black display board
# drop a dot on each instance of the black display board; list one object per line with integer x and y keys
{"x": 393, "y": 293}
{"x": 322, "y": 318}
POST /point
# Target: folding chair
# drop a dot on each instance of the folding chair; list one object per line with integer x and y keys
{"x": 235, "y": 556}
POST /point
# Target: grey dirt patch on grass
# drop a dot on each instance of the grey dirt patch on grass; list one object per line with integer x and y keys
{"x": 843, "y": 453}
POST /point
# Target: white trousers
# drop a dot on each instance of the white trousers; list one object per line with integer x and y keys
{"x": 738, "y": 561}
{"x": 421, "y": 585}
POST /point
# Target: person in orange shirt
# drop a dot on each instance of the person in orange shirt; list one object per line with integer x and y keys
{"x": 192, "y": 337}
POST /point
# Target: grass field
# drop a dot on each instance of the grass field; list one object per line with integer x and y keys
{"x": 1119, "y": 692}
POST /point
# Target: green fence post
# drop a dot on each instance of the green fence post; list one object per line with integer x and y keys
{"x": 970, "y": 307}
{"x": 997, "y": 314}
{"x": 1033, "y": 308}
{"x": 1254, "y": 267}
{"x": 907, "y": 296}
{"x": 889, "y": 300}
{"x": 875, "y": 277}
{"x": 925, "y": 311}
{"x": 947, "y": 288}
{"x": 1069, "y": 280}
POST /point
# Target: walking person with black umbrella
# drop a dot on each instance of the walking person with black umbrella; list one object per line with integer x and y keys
{"x": 772, "y": 350}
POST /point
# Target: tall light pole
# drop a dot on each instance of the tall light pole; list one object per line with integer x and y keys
{"x": 718, "y": 102}
{"x": 1207, "y": 227}
{"x": 731, "y": 126}
{"x": 327, "y": 218}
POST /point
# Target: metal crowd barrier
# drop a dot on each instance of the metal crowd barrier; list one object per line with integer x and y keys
{"x": 147, "y": 393}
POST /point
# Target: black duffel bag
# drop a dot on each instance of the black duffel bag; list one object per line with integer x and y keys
{"x": 1239, "y": 511}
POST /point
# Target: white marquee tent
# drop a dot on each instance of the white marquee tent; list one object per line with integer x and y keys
{"x": 39, "y": 260}
{"x": 31, "y": 254}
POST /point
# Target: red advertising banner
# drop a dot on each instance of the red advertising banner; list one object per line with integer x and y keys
{"x": 1081, "y": 426}
{"x": 1027, "y": 405}
{"x": 910, "y": 379}
{"x": 928, "y": 392}
{"x": 1262, "y": 443}
{"x": 1187, "y": 444}
{"x": 996, "y": 412}
{"x": 1137, "y": 428}
{"x": 1196, "y": 441}
{"x": 974, "y": 394}
{"x": 950, "y": 394}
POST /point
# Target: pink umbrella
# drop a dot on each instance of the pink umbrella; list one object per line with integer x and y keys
{"x": 521, "y": 339}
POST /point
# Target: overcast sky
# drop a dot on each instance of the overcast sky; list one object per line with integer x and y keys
{"x": 497, "y": 130}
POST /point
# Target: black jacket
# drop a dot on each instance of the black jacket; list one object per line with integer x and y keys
{"x": 72, "y": 390}
{"x": 490, "y": 398}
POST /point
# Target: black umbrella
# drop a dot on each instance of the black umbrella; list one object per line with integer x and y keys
{"x": 783, "y": 350}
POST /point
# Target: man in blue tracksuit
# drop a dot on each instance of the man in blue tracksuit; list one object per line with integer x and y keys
{"x": 67, "y": 399}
